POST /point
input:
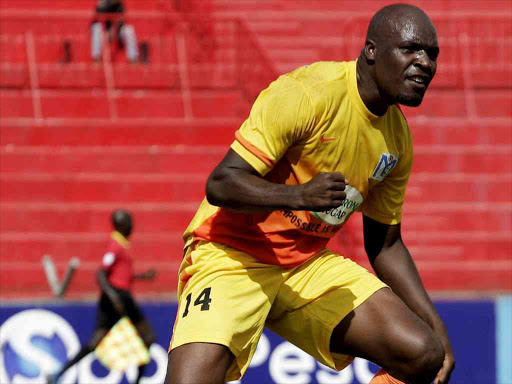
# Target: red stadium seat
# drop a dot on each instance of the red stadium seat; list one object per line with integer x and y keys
{"x": 80, "y": 138}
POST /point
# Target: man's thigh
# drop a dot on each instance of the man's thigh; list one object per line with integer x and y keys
{"x": 315, "y": 298}
{"x": 224, "y": 299}
{"x": 384, "y": 330}
{"x": 133, "y": 311}
{"x": 106, "y": 314}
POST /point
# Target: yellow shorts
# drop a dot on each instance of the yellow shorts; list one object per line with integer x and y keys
{"x": 227, "y": 297}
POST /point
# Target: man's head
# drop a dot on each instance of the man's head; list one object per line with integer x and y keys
{"x": 122, "y": 222}
{"x": 401, "y": 51}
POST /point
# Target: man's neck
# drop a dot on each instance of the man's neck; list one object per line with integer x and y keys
{"x": 368, "y": 89}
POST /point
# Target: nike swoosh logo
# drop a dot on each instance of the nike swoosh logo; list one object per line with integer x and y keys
{"x": 324, "y": 139}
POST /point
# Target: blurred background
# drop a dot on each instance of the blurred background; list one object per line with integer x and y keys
{"x": 137, "y": 115}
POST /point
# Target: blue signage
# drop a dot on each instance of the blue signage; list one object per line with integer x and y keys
{"x": 36, "y": 340}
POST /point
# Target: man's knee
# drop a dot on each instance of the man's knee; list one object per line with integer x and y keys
{"x": 423, "y": 361}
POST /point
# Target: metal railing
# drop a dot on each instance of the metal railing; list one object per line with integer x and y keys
{"x": 184, "y": 55}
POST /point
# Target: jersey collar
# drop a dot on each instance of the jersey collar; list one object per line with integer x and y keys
{"x": 117, "y": 236}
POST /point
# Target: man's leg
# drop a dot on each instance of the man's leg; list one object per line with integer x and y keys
{"x": 224, "y": 298}
{"x": 198, "y": 363}
{"x": 86, "y": 349}
{"x": 384, "y": 330}
{"x": 334, "y": 309}
{"x": 127, "y": 35}
{"x": 147, "y": 335}
{"x": 96, "y": 40}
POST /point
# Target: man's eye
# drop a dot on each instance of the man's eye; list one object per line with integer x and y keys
{"x": 433, "y": 54}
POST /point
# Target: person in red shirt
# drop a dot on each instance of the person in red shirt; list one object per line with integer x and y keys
{"x": 115, "y": 278}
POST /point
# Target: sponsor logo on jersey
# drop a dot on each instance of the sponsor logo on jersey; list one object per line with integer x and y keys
{"x": 337, "y": 216}
{"x": 386, "y": 163}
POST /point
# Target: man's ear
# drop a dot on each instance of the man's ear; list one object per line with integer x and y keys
{"x": 370, "y": 50}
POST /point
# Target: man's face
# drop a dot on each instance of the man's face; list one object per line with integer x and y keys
{"x": 406, "y": 61}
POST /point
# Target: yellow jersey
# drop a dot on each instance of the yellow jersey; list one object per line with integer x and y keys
{"x": 308, "y": 121}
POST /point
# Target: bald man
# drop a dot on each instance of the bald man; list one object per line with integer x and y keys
{"x": 115, "y": 278}
{"x": 321, "y": 143}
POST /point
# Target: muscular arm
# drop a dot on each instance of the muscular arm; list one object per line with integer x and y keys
{"x": 236, "y": 185}
{"x": 393, "y": 264}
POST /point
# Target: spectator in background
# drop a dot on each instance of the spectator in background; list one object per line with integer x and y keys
{"x": 115, "y": 278}
{"x": 122, "y": 32}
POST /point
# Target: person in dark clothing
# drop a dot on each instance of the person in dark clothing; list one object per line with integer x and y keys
{"x": 115, "y": 278}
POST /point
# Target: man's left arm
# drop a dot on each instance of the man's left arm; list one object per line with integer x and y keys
{"x": 394, "y": 265}
{"x": 147, "y": 275}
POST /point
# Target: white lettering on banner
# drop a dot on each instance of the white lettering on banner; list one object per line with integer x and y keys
{"x": 34, "y": 339}
{"x": 362, "y": 371}
{"x": 288, "y": 364}
{"x": 20, "y": 331}
{"x": 262, "y": 352}
{"x": 36, "y": 342}
{"x": 157, "y": 353}
{"x": 326, "y": 375}
{"x": 159, "y": 356}
{"x": 87, "y": 376}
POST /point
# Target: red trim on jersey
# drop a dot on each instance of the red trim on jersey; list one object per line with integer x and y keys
{"x": 255, "y": 151}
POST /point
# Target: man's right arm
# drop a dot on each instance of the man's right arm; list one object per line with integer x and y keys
{"x": 102, "y": 278}
{"x": 234, "y": 184}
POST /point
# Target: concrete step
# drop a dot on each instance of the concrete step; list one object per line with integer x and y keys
{"x": 175, "y": 216}
{"x": 441, "y": 272}
{"x": 29, "y": 247}
{"x": 492, "y": 159}
{"x": 94, "y": 217}
{"x": 29, "y": 281}
{"x": 70, "y": 187}
{"x": 131, "y": 132}
{"x": 76, "y": 104}
{"x": 428, "y": 244}
{"x": 104, "y": 187}
{"x": 459, "y": 187}
{"x": 102, "y": 159}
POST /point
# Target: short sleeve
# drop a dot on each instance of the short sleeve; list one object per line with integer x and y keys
{"x": 282, "y": 115}
{"x": 108, "y": 259}
{"x": 385, "y": 200}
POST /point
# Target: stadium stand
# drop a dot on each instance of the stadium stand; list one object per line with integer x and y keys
{"x": 79, "y": 139}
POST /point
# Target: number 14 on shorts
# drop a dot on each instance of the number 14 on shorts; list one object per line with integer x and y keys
{"x": 203, "y": 300}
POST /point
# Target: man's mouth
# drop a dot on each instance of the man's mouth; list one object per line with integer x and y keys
{"x": 421, "y": 81}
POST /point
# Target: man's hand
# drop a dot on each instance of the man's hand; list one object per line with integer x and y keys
{"x": 443, "y": 376}
{"x": 324, "y": 191}
{"x": 150, "y": 274}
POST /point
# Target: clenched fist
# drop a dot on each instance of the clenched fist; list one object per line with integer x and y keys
{"x": 323, "y": 192}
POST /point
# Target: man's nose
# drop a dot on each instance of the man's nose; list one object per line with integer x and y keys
{"x": 425, "y": 62}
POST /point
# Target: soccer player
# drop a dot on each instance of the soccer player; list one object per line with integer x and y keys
{"x": 321, "y": 142}
{"x": 115, "y": 278}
